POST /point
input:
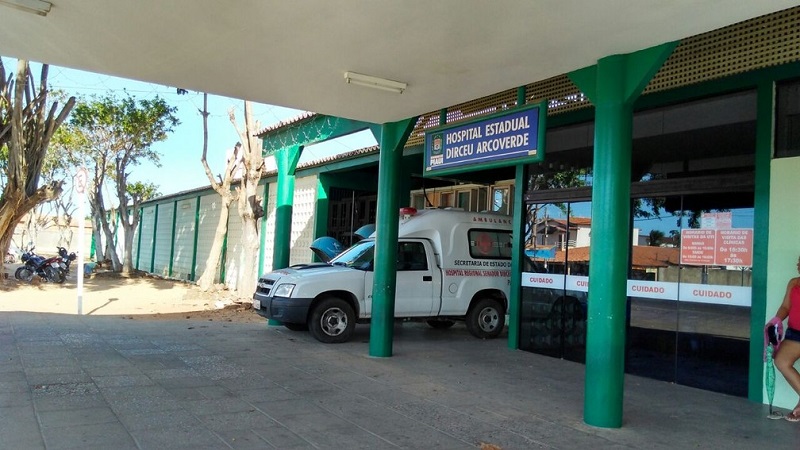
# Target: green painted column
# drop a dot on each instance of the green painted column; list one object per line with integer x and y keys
{"x": 223, "y": 258}
{"x": 286, "y": 160}
{"x": 196, "y": 236}
{"x": 612, "y": 85}
{"x": 139, "y": 237}
{"x": 393, "y": 138}
{"x": 322, "y": 207}
{"x": 172, "y": 240}
{"x": 263, "y": 246}
{"x": 765, "y": 117}
{"x": 518, "y": 255}
{"x": 153, "y": 249}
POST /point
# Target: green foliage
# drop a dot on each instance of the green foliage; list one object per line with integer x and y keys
{"x": 140, "y": 192}
{"x": 126, "y": 126}
{"x": 656, "y": 238}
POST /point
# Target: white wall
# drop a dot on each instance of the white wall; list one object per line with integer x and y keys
{"x": 233, "y": 259}
{"x": 209, "y": 218}
{"x": 784, "y": 248}
{"x": 143, "y": 249}
{"x": 163, "y": 244}
{"x": 184, "y": 239}
{"x": 303, "y": 214}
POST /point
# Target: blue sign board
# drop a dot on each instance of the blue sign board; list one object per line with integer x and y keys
{"x": 500, "y": 140}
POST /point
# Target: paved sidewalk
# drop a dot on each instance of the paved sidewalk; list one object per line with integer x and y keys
{"x": 106, "y": 382}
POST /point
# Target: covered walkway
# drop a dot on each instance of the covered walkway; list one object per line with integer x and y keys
{"x": 103, "y": 382}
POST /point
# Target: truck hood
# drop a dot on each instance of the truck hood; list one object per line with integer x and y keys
{"x": 303, "y": 271}
{"x": 313, "y": 279}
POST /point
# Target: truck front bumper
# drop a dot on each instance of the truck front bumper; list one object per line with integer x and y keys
{"x": 282, "y": 309}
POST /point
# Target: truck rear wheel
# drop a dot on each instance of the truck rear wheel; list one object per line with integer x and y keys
{"x": 332, "y": 321}
{"x": 486, "y": 318}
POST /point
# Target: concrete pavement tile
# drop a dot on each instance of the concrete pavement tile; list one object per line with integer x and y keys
{"x": 63, "y": 389}
{"x": 243, "y": 420}
{"x": 196, "y": 381}
{"x": 247, "y": 380}
{"x": 176, "y": 347}
{"x": 280, "y": 437}
{"x": 125, "y": 368}
{"x": 103, "y": 435}
{"x": 42, "y": 378}
{"x": 8, "y": 399}
{"x": 243, "y": 440}
{"x": 185, "y": 393}
{"x": 12, "y": 377}
{"x": 343, "y": 435}
{"x": 283, "y": 408}
{"x": 19, "y": 423}
{"x": 139, "y": 399}
{"x": 160, "y": 419}
{"x": 165, "y": 374}
{"x": 142, "y": 351}
{"x": 73, "y": 417}
{"x": 216, "y": 405}
{"x": 268, "y": 393}
{"x": 22, "y": 442}
{"x": 215, "y": 367}
{"x": 156, "y": 362}
{"x": 81, "y": 339}
{"x": 98, "y": 361}
{"x": 71, "y": 363}
{"x": 122, "y": 380}
{"x": 68, "y": 402}
{"x": 171, "y": 438}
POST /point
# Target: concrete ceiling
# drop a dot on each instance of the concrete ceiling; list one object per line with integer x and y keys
{"x": 295, "y": 53}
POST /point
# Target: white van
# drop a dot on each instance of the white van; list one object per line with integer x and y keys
{"x": 451, "y": 265}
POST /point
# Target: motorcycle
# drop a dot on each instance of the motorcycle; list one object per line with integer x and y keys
{"x": 66, "y": 258}
{"x": 48, "y": 269}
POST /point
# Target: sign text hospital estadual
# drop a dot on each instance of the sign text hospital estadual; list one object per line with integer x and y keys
{"x": 499, "y": 140}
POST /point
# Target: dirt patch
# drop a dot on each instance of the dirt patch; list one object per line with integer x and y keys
{"x": 137, "y": 297}
{"x": 242, "y": 313}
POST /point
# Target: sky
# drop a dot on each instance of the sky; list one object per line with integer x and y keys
{"x": 180, "y": 153}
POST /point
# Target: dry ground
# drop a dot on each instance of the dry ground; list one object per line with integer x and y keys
{"x": 136, "y": 297}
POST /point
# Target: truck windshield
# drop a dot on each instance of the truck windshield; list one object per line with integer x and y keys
{"x": 358, "y": 256}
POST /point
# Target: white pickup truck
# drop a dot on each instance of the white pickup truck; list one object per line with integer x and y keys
{"x": 451, "y": 265}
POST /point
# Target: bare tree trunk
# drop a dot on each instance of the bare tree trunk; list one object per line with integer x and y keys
{"x": 26, "y": 127}
{"x": 223, "y": 188}
{"x": 250, "y": 209}
{"x": 127, "y": 260}
{"x": 110, "y": 248}
{"x": 97, "y": 232}
{"x": 206, "y": 280}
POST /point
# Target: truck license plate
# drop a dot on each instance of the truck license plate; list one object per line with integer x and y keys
{"x": 256, "y": 303}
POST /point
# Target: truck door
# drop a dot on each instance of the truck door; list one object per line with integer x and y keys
{"x": 415, "y": 293}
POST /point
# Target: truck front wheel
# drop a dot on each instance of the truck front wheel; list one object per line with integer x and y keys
{"x": 486, "y": 319}
{"x": 332, "y": 321}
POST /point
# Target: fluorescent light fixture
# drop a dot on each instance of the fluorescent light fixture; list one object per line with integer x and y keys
{"x": 39, "y": 7}
{"x": 375, "y": 82}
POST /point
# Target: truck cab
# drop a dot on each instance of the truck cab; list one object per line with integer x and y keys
{"x": 451, "y": 265}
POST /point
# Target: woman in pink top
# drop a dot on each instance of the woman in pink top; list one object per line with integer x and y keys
{"x": 789, "y": 350}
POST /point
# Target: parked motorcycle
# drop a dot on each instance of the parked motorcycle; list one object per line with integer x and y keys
{"x": 48, "y": 269}
{"x": 66, "y": 257}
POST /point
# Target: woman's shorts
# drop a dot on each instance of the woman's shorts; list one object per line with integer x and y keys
{"x": 792, "y": 335}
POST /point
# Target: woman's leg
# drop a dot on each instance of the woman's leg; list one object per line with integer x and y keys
{"x": 788, "y": 354}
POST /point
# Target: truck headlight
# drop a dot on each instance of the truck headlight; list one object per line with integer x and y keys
{"x": 284, "y": 290}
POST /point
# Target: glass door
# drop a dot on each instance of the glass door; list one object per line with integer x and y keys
{"x": 555, "y": 280}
